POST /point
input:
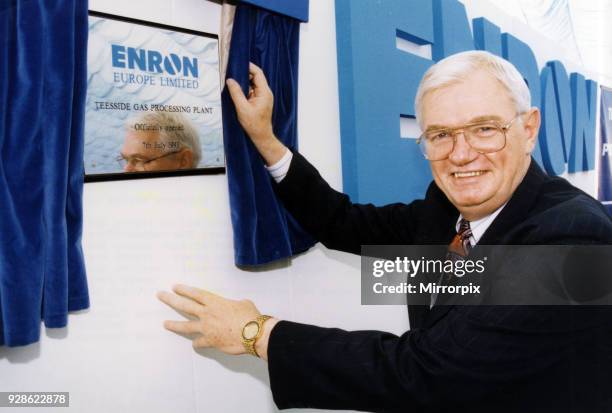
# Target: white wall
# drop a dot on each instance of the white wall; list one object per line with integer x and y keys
{"x": 143, "y": 236}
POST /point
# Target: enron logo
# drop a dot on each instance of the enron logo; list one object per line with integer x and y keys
{"x": 153, "y": 61}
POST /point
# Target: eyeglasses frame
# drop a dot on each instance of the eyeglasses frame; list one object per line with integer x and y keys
{"x": 454, "y": 132}
{"x": 121, "y": 158}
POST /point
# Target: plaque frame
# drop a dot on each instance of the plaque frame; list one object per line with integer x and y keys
{"x": 121, "y": 175}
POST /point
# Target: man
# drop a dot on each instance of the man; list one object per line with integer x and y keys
{"x": 160, "y": 141}
{"x": 479, "y": 133}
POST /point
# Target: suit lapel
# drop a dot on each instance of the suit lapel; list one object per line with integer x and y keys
{"x": 438, "y": 219}
{"x": 518, "y": 207}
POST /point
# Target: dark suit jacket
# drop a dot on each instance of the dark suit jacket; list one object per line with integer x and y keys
{"x": 454, "y": 358}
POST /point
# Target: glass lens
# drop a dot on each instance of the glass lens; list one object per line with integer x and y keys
{"x": 485, "y": 137}
{"x": 135, "y": 163}
{"x": 437, "y": 144}
{"x": 139, "y": 164}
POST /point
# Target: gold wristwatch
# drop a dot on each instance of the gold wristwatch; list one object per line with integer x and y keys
{"x": 251, "y": 332}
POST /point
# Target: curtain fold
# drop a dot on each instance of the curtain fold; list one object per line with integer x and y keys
{"x": 42, "y": 96}
{"x": 263, "y": 230}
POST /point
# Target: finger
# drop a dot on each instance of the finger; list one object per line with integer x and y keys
{"x": 253, "y": 69}
{"x": 197, "y": 294}
{"x": 182, "y": 327}
{"x": 178, "y": 303}
{"x": 236, "y": 93}
{"x": 260, "y": 83}
{"x": 201, "y": 342}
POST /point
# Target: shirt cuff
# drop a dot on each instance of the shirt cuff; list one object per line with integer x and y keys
{"x": 279, "y": 169}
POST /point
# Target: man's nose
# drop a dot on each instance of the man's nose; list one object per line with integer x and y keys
{"x": 462, "y": 152}
{"x": 129, "y": 167}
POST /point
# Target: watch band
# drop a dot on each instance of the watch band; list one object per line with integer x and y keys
{"x": 249, "y": 344}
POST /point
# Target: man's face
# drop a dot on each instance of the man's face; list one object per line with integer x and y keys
{"x": 494, "y": 176}
{"x": 145, "y": 151}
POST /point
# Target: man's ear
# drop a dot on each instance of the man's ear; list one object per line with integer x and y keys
{"x": 531, "y": 127}
{"x": 186, "y": 159}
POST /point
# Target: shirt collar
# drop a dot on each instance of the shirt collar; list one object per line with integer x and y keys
{"x": 479, "y": 226}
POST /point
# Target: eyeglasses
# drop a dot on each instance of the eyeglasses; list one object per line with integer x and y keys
{"x": 484, "y": 137}
{"x": 140, "y": 164}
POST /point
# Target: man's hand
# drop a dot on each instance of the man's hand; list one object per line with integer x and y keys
{"x": 255, "y": 114}
{"x": 215, "y": 321}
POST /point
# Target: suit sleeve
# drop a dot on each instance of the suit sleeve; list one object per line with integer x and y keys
{"x": 334, "y": 220}
{"x": 474, "y": 355}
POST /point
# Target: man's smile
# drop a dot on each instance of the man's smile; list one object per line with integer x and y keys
{"x": 467, "y": 174}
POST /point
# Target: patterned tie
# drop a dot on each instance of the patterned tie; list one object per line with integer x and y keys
{"x": 460, "y": 246}
{"x": 458, "y": 249}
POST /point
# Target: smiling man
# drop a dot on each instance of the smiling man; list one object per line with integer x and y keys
{"x": 479, "y": 132}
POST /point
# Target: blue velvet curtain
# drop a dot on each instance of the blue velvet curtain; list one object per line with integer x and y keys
{"x": 43, "y": 49}
{"x": 263, "y": 230}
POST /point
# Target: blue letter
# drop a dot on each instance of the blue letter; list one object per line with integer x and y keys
{"x": 451, "y": 29}
{"x": 190, "y": 66}
{"x": 136, "y": 57}
{"x": 582, "y": 148}
{"x": 118, "y": 55}
{"x": 521, "y": 56}
{"x": 155, "y": 60}
{"x": 168, "y": 64}
{"x": 377, "y": 85}
{"x": 564, "y": 104}
{"x": 487, "y": 36}
{"x": 550, "y": 136}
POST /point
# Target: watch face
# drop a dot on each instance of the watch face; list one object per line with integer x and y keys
{"x": 250, "y": 330}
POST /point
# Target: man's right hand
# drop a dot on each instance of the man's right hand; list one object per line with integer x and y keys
{"x": 255, "y": 114}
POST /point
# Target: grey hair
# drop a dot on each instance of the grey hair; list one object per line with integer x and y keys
{"x": 172, "y": 127}
{"x": 456, "y": 68}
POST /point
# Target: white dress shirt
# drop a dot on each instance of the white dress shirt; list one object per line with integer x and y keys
{"x": 479, "y": 226}
{"x": 279, "y": 169}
